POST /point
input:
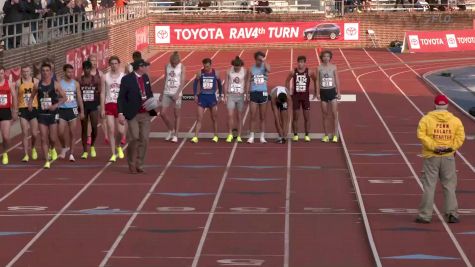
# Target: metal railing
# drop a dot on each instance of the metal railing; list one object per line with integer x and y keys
{"x": 30, "y": 32}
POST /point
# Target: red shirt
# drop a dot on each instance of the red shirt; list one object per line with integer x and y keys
{"x": 5, "y": 95}
{"x": 141, "y": 83}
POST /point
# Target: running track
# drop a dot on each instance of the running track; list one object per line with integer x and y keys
{"x": 299, "y": 204}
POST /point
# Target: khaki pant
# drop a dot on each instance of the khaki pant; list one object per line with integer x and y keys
{"x": 137, "y": 136}
{"x": 436, "y": 168}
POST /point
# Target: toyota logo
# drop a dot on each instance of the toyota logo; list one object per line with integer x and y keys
{"x": 351, "y": 30}
{"x": 451, "y": 40}
{"x": 414, "y": 41}
{"x": 162, "y": 34}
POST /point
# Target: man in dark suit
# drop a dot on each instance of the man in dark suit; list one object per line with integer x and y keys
{"x": 135, "y": 89}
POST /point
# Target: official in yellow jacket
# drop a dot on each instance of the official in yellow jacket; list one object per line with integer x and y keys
{"x": 441, "y": 134}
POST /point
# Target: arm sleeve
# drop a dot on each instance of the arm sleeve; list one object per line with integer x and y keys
{"x": 195, "y": 86}
{"x": 426, "y": 140}
{"x": 459, "y": 136}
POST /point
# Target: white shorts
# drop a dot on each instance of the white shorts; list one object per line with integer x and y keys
{"x": 167, "y": 100}
{"x": 235, "y": 101}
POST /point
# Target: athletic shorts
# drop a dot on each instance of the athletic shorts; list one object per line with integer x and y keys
{"x": 282, "y": 106}
{"x": 112, "y": 109}
{"x": 259, "y": 97}
{"x": 327, "y": 95}
{"x": 235, "y": 102}
{"x": 167, "y": 100}
{"x": 5, "y": 114}
{"x": 207, "y": 101}
{"x": 301, "y": 101}
{"x": 28, "y": 115}
{"x": 48, "y": 118}
{"x": 88, "y": 111}
{"x": 68, "y": 114}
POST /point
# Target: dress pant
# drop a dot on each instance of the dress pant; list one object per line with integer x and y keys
{"x": 137, "y": 137}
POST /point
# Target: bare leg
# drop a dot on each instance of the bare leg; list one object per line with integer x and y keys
{"x": 199, "y": 118}
{"x": 214, "y": 118}
{"x": 325, "y": 117}
{"x": 25, "y": 129}
{"x": 306, "y": 117}
{"x": 112, "y": 132}
{"x": 334, "y": 104}
{"x": 5, "y": 128}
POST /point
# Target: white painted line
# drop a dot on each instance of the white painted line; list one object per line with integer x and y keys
{"x": 287, "y": 186}
{"x": 224, "y": 135}
{"x": 450, "y": 233}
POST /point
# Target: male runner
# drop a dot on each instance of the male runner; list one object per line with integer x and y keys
{"x": 50, "y": 97}
{"x": 69, "y": 111}
{"x": 174, "y": 85}
{"x": 208, "y": 80}
{"x": 8, "y": 112}
{"x": 258, "y": 76}
{"x": 281, "y": 103}
{"x": 328, "y": 86}
{"x": 28, "y": 119}
{"x": 110, "y": 93}
{"x": 234, "y": 96}
{"x": 301, "y": 78}
{"x": 91, "y": 96}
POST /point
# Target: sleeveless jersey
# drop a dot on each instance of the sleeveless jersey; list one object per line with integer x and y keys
{"x": 112, "y": 87}
{"x": 47, "y": 96}
{"x": 24, "y": 94}
{"x": 173, "y": 79}
{"x": 208, "y": 82}
{"x": 301, "y": 81}
{"x": 90, "y": 91}
{"x": 236, "y": 81}
{"x": 259, "y": 78}
{"x": 327, "y": 76}
{"x": 5, "y": 95}
{"x": 71, "y": 95}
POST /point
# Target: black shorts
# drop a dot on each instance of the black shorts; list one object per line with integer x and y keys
{"x": 28, "y": 115}
{"x": 47, "y": 118}
{"x": 88, "y": 111}
{"x": 68, "y": 114}
{"x": 282, "y": 106}
{"x": 259, "y": 97}
{"x": 327, "y": 95}
{"x": 5, "y": 114}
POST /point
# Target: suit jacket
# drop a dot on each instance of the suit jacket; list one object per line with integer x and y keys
{"x": 130, "y": 97}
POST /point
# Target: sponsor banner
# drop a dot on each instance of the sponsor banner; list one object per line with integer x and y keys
{"x": 141, "y": 38}
{"x": 440, "y": 41}
{"x": 77, "y": 56}
{"x": 265, "y": 32}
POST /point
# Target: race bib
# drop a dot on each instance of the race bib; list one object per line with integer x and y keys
{"x": 284, "y": 106}
{"x": 172, "y": 83}
{"x": 265, "y": 93}
{"x": 259, "y": 79}
{"x": 26, "y": 98}
{"x": 3, "y": 100}
{"x": 327, "y": 82}
{"x": 236, "y": 88}
{"x": 75, "y": 111}
{"x": 88, "y": 95}
{"x": 46, "y": 103}
{"x": 208, "y": 83}
{"x": 301, "y": 84}
{"x": 114, "y": 94}
{"x": 70, "y": 96}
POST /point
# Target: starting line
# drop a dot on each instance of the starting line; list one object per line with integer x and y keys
{"x": 344, "y": 97}
{"x": 313, "y": 136}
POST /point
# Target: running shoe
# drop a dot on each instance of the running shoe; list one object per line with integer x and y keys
{"x": 5, "y": 159}
{"x": 120, "y": 152}
{"x": 89, "y": 140}
{"x": 84, "y": 155}
{"x": 295, "y": 138}
{"x": 113, "y": 158}
{"x": 335, "y": 139}
{"x": 174, "y": 139}
{"x": 325, "y": 139}
{"x": 307, "y": 138}
{"x": 54, "y": 154}
{"x": 250, "y": 140}
{"x": 71, "y": 158}
{"x": 194, "y": 140}
{"x": 239, "y": 139}
{"x": 93, "y": 152}
{"x": 229, "y": 139}
{"x": 169, "y": 136}
{"x": 279, "y": 140}
{"x": 123, "y": 141}
{"x": 263, "y": 140}
{"x": 47, "y": 165}
{"x": 215, "y": 139}
{"x": 64, "y": 150}
{"x": 26, "y": 158}
{"x": 34, "y": 154}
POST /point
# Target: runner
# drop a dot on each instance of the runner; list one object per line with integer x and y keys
{"x": 258, "y": 76}
{"x": 91, "y": 96}
{"x": 98, "y": 75}
{"x": 68, "y": 112}
{"x": 301, "y": 79}
{"x": 8, "y": 112}
{"x": 174, "y": 82}
{"x": 109, "y": 95}
{"x": 281, "y": 103}
{"x": 208, "y": 80}
{"x": 234, "y": 96}
{"x": 328, "y": 86}
{"x": 28, "y": 120}
{"x": 50, "y": 97}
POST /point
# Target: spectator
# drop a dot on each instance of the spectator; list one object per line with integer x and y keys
{"x": 34, "y": 11}
{"x": 14, "y": 11}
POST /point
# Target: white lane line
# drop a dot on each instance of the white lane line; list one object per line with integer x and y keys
{"x": 207, "y": 226}
{"x": 127, "y": 226}
{"x": 383, "y": 122}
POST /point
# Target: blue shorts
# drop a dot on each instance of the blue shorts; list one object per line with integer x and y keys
{"x": 207, "y": 101}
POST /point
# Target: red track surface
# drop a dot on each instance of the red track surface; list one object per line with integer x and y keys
{"x": 273, "y": 205}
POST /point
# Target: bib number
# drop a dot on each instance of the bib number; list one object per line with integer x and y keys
{"x": 301, "y": 84}
{"x": 265, "y": 93}
{"x": 70, "y": 97}
{"x": 26, "y": 98}
{"x": 114, "y": 94}
{"x": 88, "y": 95}
{"x": 46, "y": 103}
{"x": 172, "y": 83}
{"x": 259, "y": 79}
{"x": 3, "y": 100}
{"x": 75, "y": 111}
{"x": 327, "y": 82}
{"x": 208, "y": 84}
{"x": 236, "y": 88}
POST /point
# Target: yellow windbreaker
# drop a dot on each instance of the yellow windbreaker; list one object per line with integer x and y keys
{"x": 440, "y": 128}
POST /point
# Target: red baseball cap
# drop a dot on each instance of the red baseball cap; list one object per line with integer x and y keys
{"x": 441, "y": 100}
